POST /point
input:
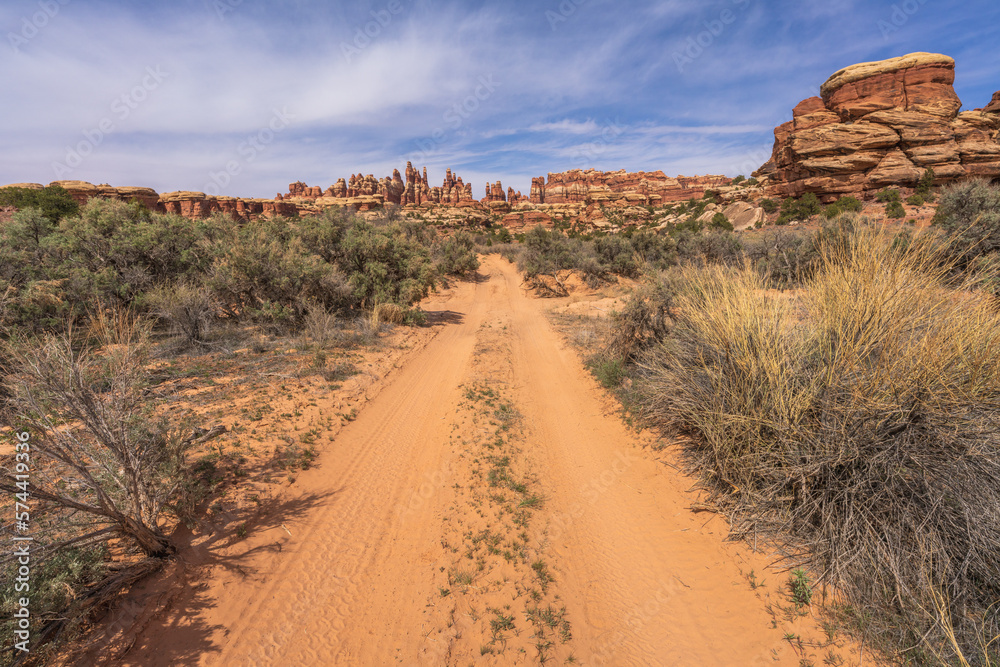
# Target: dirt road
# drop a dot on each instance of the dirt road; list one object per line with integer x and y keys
{"x": 486, "y": 508}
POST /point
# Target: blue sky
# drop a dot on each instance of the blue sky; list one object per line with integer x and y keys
{"x": 244, "y": 96}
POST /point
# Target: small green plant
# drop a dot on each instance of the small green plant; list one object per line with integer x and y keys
{"x": 769, "y": 205}
{"x": 915, "y": 200}
{"x": 609, "y": 372}
{"x": 799, "y": 588}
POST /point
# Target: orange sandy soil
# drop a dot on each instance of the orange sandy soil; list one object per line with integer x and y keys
{"x": 487, "y": 506}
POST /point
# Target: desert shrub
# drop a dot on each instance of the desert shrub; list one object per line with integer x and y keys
{"x": 888, "y": 196}
{"x": 711, "y": 196}
{"x": 720, "y": 221}
{"x": 859, "y": 425}
{"x": 643, "y": 321}
{"x": 800, "y": 209}
{"x": 895, "y": 210}
{"x": 457, "y": 255}
{"x": 769, "y": 205}
{"x": 113, "y": 471}
{"x": 546, "y": 252}
{"x": 752, "y": 181}
{"x": 56, "y": 586}
{"x": 843, "y": 205}
{"x": 53, "y": 201}
{"x": 655, "y": 250}
{"x": 788, "y": 258}
{"x": 915, "y": 200}
{"x": 388, "y": 313}
{"x": 739, "y": 179}
{"x": 188, "y": 309}
{"x": 969, "y": 213}
{"x": 926, "y": 183}
{"x": 710, "y": 247}
{"x": 383, "y": 266}
{"x": 260, "y": 276}
{"x": 615, "y": 255}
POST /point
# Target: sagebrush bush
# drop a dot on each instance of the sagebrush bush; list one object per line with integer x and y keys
{"x": 457, "y": 255}
{"x": 969, "y": 213}
{"x": 859, "y": 424}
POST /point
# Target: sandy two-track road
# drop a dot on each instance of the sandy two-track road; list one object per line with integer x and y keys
{"x": 365, "y": 573}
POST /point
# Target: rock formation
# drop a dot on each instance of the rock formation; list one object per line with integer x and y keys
{"x": 81, "y": 191}
{"x": 364, "y": 192}
{"x": 645, "y": 188}
{"x": 198, "y": 205}
{"x": 883, "y": 124}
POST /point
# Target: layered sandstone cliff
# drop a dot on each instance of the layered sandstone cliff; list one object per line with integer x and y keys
{"x": 884, "y": 124}
{"x": 620, "y": 187}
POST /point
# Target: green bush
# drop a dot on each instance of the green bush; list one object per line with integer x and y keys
{"x": 383, "y": 266}
{"x": 799, "y": 209}
{"x": 926, "y": 183}
{"x": 843, "y": 205}
{"x": 895, "y": 210}
{"x": 720, "y": 221}
{"x": 53, "y": 201}
{"x": 915, "y": 200}
{"x": 888, "y": 196}
{"x": 739, "y": 179}
{"x": 769, "y": 205}
{"x": 457, "y": 255}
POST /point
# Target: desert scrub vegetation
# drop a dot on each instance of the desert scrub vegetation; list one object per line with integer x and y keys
{"x": 856, "y": 424}
{"x": 92, "y": 302}
{"x": 192, "y": 273}
{"x": 970, "y": 213}
{"x": 629, "y": 254}
{"x": 103, "y": 469}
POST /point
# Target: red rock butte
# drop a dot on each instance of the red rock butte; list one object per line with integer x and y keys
{"x": 883, "y": 124}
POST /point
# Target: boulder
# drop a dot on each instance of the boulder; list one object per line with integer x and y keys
{"x": 743, "y": 215}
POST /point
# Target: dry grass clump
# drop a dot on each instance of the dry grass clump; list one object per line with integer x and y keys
{"x": 859, "y": 424}
{"x": 388, "y": 313}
